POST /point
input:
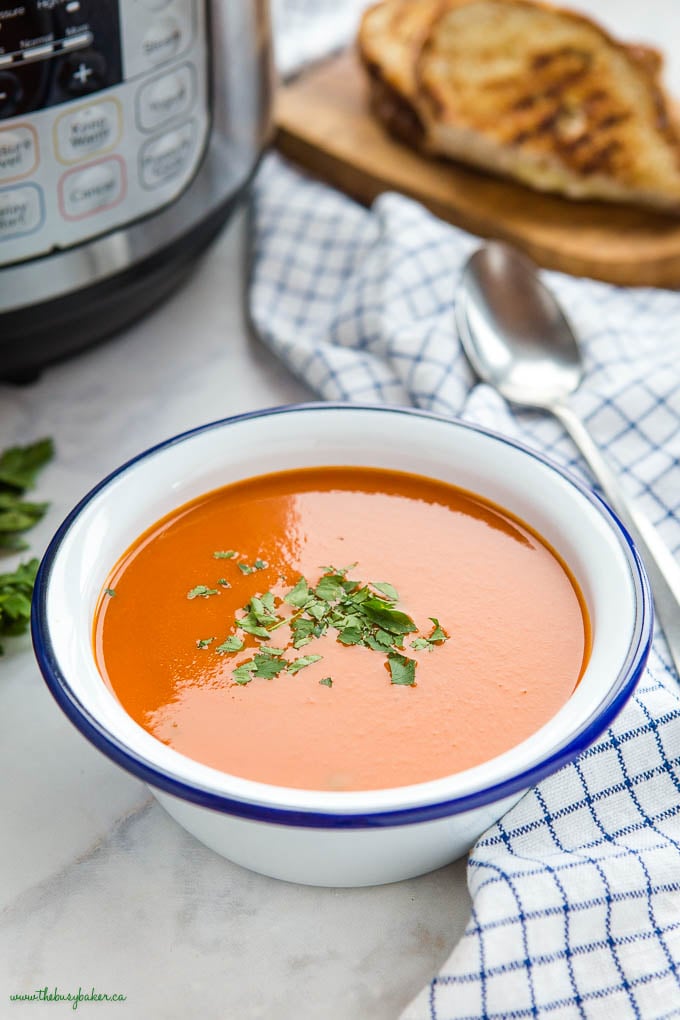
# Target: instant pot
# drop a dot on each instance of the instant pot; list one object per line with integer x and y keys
{"x": 128, "y": 131}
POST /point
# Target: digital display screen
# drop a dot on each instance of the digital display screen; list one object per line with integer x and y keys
{"x": 52, "y": 51}
{"x": 38, "y": 23}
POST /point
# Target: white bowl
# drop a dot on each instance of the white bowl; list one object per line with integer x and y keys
{"x": 315, "y": 837}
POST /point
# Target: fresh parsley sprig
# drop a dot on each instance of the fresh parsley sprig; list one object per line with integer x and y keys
{"x": 16, "y": 589}
{"x": 19, "y": 467}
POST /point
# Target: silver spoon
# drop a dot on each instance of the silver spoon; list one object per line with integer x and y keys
{"x": 518, "y": 340}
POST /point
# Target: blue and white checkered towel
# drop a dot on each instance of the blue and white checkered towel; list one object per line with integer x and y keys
{"x": 576, "y": 891}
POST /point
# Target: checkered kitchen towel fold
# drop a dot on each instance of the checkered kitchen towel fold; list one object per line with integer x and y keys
{"x": 576, "y": 891}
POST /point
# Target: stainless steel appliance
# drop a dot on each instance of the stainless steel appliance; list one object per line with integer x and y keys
{"x": 128, "y": 130}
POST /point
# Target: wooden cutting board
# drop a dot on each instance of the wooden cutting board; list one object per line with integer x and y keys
{"x": 323, "y": 124}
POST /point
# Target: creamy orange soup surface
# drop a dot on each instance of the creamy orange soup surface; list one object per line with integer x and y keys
{"x": 511, "y": 644}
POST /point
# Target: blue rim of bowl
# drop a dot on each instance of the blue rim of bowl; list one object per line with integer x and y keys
{"x": 619, "y": 692}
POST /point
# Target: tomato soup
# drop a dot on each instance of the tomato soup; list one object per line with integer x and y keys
{"x": 341, "y": 629}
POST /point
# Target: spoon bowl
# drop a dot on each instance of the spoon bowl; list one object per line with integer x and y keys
{"x": 514, "y": 333}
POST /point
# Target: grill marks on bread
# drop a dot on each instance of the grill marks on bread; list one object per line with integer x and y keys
{"x": 560, "y": 108}
{"x": 526, "y": 90}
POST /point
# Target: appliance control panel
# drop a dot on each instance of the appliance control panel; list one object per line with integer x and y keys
{"x": 104, "y": 116}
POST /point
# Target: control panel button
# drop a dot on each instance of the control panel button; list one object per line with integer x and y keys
{"x": 21, "y": 211}
{"x": 18, "y": 151}
{"x": 87, "y": 130}
{"x": 165, "y": 158}
{"x": 163, "y": 40}
{"x": 164, "y": 98}
{"x": 83, "y": 72}
{"x": 92, "y": 189}
{"x": 11, "y": 94}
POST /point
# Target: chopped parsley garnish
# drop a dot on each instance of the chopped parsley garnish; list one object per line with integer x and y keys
{"x": 204, "y": 642}
{"x": 228, "y": 555}
{"x": 387, "y": 618}
{"x": 242, "y": 674}
{"x": 110, "y": 591}
{"x": 263, "y": 609}
{"x": 299, "y": 595}
{"x": 250, "y": 624}
{"x": 303, "y": 631}
{"x": 232, "y": 644}
{"x": 329, "y": 589}
{"x": 437, "y": 637}
{"x": 304, "y": 660}
{"x": 388, "y": 590}
{"x": 246, "y": 568}
{"x": 351, "y": 636}
{"x": 268, "y": 666}
{"x": 360, "y": 613}
{"x": 402, "y": 669}
{"x": 201, "y": 591}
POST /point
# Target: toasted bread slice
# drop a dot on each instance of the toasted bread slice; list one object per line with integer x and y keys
{"x": 390, "y": 38}
{"x": 533, "y": 92}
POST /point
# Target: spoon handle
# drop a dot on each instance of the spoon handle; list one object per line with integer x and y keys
{"x": 660, "y": 564}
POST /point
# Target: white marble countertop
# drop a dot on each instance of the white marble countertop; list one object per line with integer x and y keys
{"x": 98, "y": 886}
